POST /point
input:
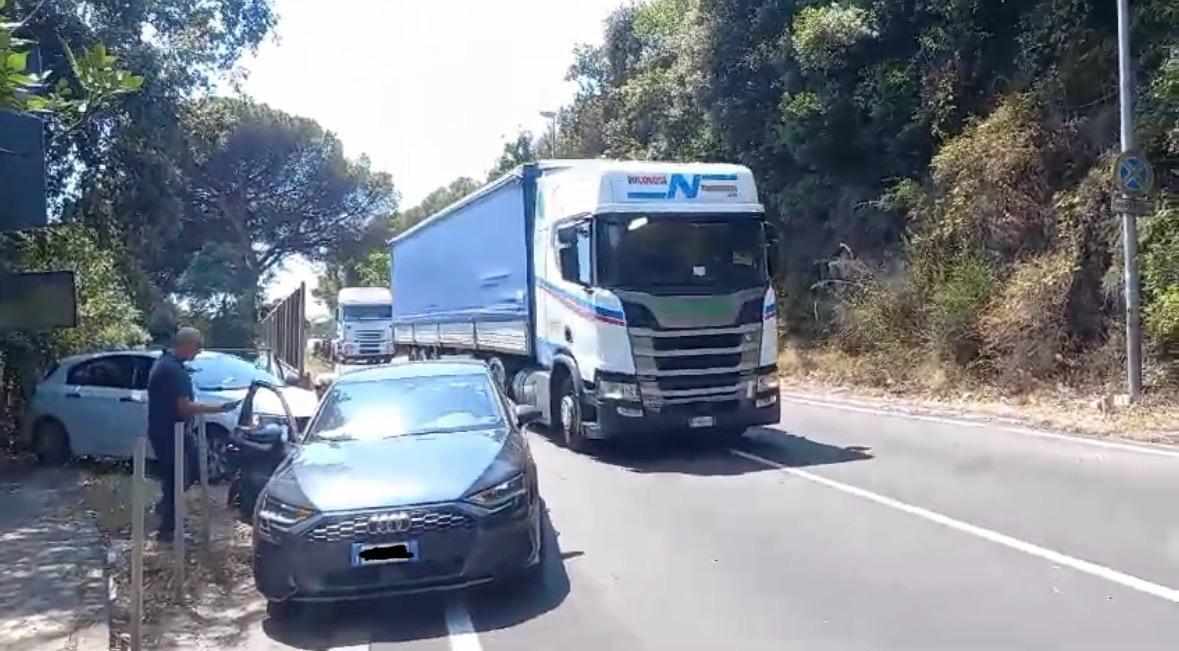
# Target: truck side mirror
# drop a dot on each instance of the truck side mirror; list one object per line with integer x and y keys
{"x": 773, "y": 250}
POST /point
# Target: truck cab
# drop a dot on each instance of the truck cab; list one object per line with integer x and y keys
{"x": 654, "y": 308}
{"x": 364, "y": 325}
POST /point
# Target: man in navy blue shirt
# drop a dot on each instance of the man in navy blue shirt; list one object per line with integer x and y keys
{"x": 170, "y": 401}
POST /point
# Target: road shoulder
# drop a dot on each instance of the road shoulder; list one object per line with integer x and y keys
{"x": 1073, "y": 420}
{"x": 53, "y": 593}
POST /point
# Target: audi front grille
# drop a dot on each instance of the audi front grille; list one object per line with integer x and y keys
{"x": 356, "y": 527}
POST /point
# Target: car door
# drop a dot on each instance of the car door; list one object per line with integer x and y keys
{"x": 258, "y": 458}
{"x": 102, "y": 407}
{"x": 571, "y": 318}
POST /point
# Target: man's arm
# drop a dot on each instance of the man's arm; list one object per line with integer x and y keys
{"x": 187, "y": 408}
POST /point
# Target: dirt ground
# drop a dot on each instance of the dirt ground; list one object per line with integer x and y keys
{"x": 219, "y": 603}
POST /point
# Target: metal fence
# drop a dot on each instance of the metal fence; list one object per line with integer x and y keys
{"x": 284, "y": 329}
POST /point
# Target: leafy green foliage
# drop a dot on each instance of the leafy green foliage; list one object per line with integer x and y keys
{"x": 1160, "y": 279}
{"x": 95, "y": 73}
{"x": 824, "y": 34}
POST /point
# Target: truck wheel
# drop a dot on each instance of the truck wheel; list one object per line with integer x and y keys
{"x": 569, "y": 415}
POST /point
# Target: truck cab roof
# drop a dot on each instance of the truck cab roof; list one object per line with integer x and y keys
{"x": 365, "y": 296}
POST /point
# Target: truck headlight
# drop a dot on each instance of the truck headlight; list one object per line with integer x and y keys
{"x": 609, "y": 390}
{"x": 501, "y": 494}
{"x": 767, "y": 382}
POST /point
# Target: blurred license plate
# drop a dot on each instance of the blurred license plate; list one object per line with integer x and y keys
{"x": 381, "y": 553}
{"x": 701, "y": 421}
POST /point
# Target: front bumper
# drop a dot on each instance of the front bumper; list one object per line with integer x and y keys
{"x": 296, "y": 567}
{"x": 744, "y": 413}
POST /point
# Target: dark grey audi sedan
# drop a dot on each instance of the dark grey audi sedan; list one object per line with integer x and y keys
{"x": 411, "y": 477}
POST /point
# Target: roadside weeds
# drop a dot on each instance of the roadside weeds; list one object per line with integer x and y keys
{"x": 220, "y": 603}
{"x": 934, "y": 389}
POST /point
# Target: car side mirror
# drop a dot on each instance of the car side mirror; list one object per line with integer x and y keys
{"x": 270, "y": 434}
{"x": 527, "y": 414}
{"x": 292, "y": 379}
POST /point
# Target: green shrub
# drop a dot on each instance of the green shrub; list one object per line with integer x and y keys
{"x": 955, "y": 304}
{"x": 1025, "y": 327}
{"x": 1162, "y": 320}
{"x": 876, "y": 312}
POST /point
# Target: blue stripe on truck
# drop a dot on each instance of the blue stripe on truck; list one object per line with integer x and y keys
{"x": 584, "y": 307}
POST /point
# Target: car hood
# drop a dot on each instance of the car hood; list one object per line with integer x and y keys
{"x": 343, "y": 475}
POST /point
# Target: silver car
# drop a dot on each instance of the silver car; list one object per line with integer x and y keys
{"x": 95, "y": 405}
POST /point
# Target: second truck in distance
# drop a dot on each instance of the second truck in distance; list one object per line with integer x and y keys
{"x": 620, "y": 298}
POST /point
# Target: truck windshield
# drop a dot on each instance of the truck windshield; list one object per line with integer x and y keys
{"x": 680, "y": 253}
{"x": 367, "y": 312}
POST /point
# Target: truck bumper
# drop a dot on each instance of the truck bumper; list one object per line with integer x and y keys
{"x": 613, "y": 423}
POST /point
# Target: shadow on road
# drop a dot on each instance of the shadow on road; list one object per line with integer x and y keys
{"x": 423, "y": 616}
{"x": 698, "y": 455}
{"x": 797, "y": 451}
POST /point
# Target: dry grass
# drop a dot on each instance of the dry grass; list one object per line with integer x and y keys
{"x": 916, "y": 382}
{"x": 219, "y": 603}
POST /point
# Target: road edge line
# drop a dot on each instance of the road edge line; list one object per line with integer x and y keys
{"x": 459, "y": 627}
{"x": 1143, "y": 448}
{"x": 1032, "y": 549}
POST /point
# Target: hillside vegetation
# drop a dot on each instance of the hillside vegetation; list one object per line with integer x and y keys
{"x": 939, "y": 169}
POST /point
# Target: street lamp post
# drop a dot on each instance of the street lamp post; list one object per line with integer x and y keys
{"x": 1129, "y": 220}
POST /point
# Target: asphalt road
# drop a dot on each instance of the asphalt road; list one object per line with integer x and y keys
{"x": 839, "y": 529}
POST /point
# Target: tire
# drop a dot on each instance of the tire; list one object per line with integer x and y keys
{"x": 568, "y": 415}
{"x": 284, "y": 611}
{"x": 217, "y": 455}
{"x": 52, "y": 443}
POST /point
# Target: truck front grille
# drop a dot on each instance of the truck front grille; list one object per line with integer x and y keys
{"x": 708, "y": 367}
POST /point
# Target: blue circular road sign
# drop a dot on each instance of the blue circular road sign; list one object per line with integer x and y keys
{"x": 1133, "y": 175}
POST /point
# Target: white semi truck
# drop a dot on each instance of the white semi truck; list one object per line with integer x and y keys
{"x": 621, "y": 298}
{"x": 364, "y": 326}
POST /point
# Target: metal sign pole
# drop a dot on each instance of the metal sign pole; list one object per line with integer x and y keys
{"x": 178, "y": 489}
{"x": 1129, "y": 222}
{"x": 203, "y": 464}
{"x": 138, "y": 485}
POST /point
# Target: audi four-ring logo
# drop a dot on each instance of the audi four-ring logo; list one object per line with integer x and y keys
{"x": 388, "y": 523}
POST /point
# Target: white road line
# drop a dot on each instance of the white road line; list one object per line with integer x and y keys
{"x": 1092, "y": 569}
{"x": 1161, "y": 451}
{"x": 458, "y": 624}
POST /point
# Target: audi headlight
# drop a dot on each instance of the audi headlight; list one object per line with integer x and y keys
{"x": 276, "y": 516}
{"x": 767, "y": 382}
{"x": 618, "y": 391}
{"x": 500, "y": 494}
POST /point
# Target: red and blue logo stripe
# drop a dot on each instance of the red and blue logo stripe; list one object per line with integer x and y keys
{"x": 583, "y": 307}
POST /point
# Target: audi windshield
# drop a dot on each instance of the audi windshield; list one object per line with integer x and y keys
{"x": 389, "y": 408}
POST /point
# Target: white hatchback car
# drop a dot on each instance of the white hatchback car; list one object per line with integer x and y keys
{"x": 95, "y": 405}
